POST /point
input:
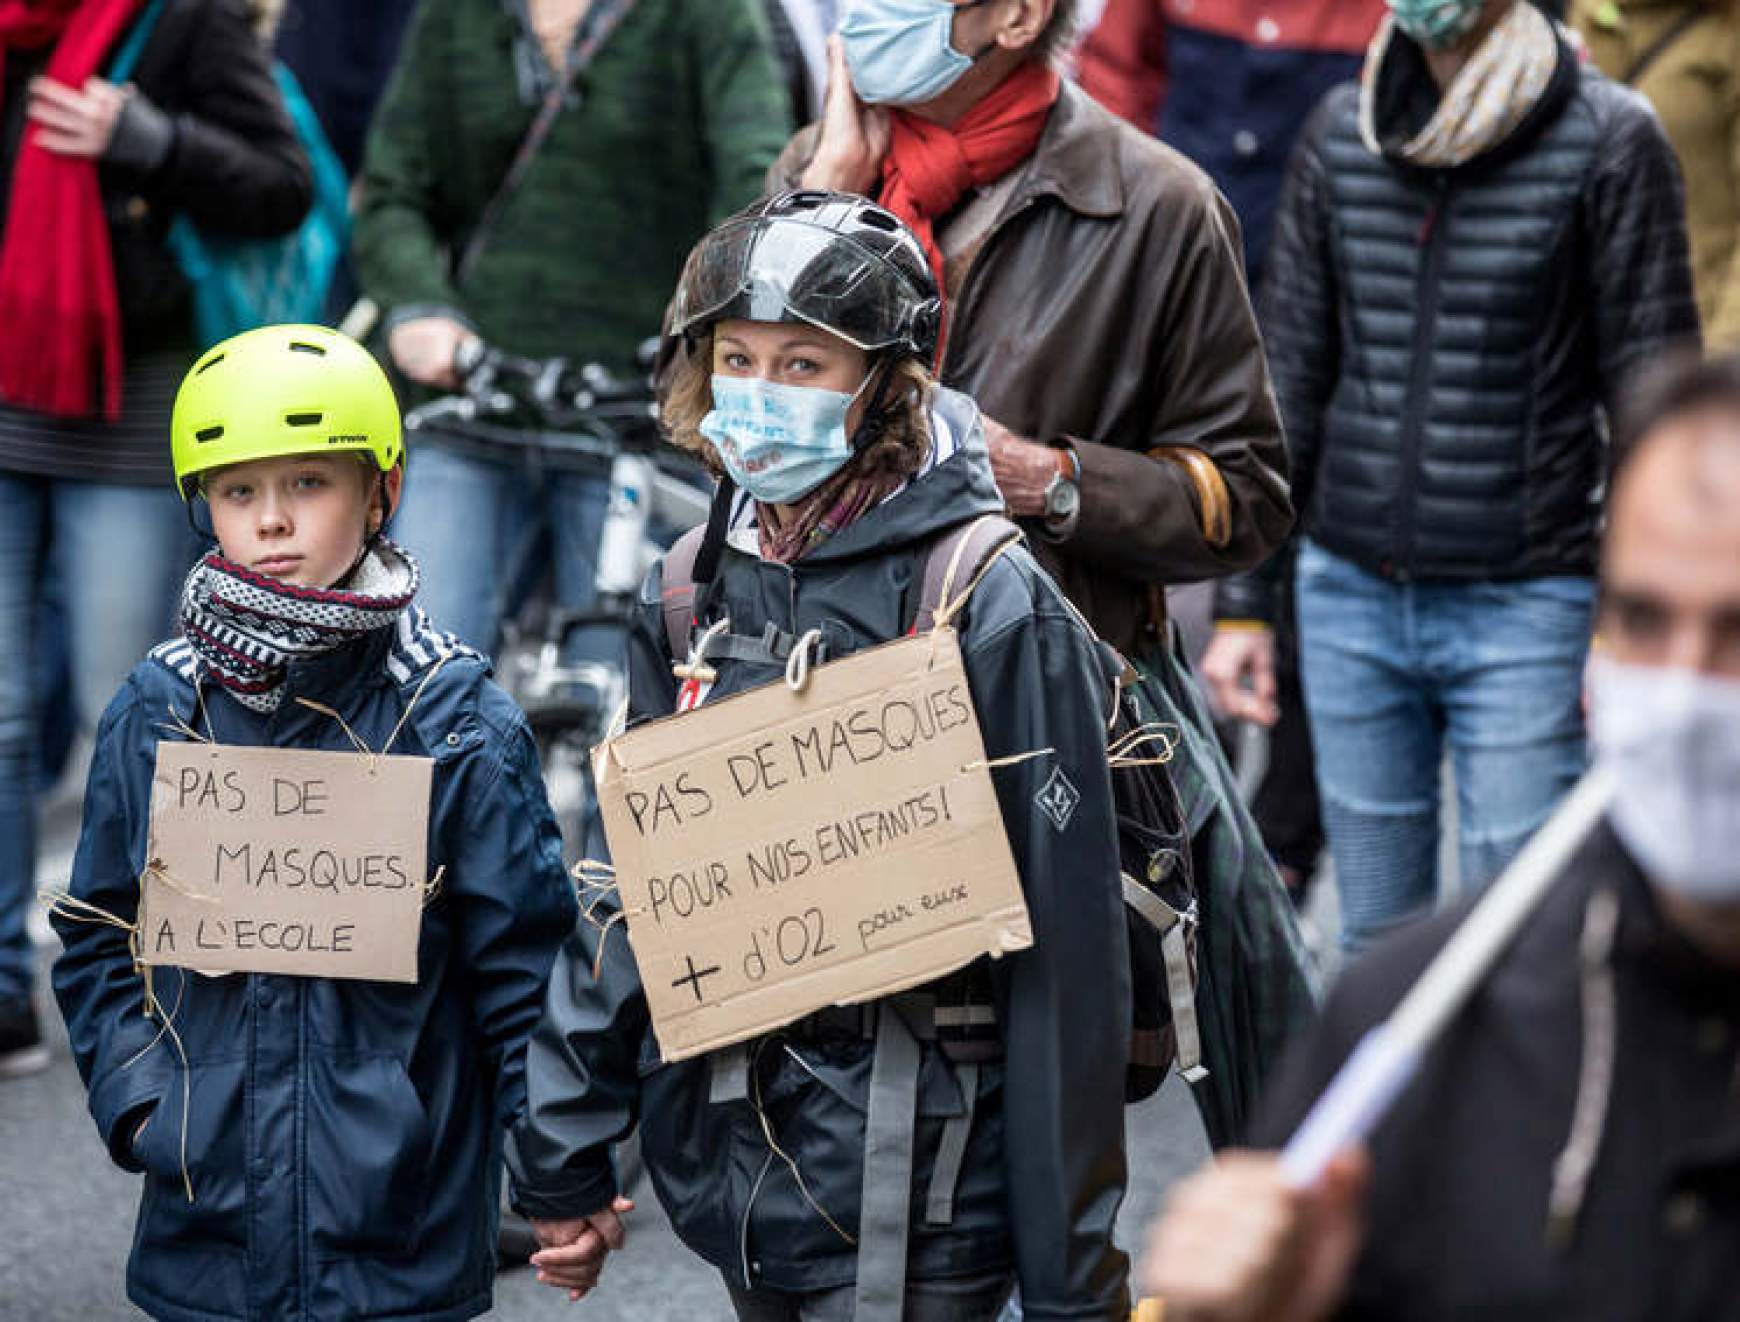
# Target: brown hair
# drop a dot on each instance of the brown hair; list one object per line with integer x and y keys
{"x": 901, "y": 422}
{"x": 1058, "y": 34}
{"x": 1677, "y": 382}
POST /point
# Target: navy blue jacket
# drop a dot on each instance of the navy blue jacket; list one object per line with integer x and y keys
{"x": 342, "y": 1137}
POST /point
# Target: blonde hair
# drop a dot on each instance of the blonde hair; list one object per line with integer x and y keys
{"x": 901, "y": 421}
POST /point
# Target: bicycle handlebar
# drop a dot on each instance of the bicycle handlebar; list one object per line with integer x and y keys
{"x": 503, "y": 395}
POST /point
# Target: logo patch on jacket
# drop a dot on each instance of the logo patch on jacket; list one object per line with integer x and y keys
{"x": 1057, "y": 799}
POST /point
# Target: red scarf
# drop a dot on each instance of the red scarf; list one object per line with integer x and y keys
{"x": 929, "y": 168}
{"x": 60, "y": 317}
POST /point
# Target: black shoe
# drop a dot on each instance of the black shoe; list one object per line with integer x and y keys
{"x": 21, "y": 1048}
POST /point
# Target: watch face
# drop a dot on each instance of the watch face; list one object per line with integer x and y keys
{"x": 1062, "y": 499}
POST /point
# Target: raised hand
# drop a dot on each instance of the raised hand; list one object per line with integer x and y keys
{"x": 854, "y": 136}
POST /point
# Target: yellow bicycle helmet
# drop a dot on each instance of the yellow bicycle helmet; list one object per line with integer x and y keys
{"x": 280, "y": 391}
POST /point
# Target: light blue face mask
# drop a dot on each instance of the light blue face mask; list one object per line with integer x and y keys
{"x": 1437, "y": 24}
{"x": 778, "y": 442}
{"x": 898, "y": 51}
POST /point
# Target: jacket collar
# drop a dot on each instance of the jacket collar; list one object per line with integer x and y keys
{"x": 1076, "y": 160}
{"x": 404, "y": 653}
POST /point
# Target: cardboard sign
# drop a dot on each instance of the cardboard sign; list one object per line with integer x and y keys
{"x": 275, "y": 860}
{"x": 778, "y": 852}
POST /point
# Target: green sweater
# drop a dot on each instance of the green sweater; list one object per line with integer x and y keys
{"x": 676, "y": 121}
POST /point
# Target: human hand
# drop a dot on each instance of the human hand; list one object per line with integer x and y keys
{"x": 573, "y": 1252}
{"x": 854, "y": 136}
{"x": 424, "y": 349}
{"x": 1238, "y": 1244}
{"x": 1239, "y": 669}
{"x": 1023, "y": 469}
{"x": 72, "y": 121}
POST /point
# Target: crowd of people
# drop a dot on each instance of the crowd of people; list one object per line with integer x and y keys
{"x": 1387, "y": 318}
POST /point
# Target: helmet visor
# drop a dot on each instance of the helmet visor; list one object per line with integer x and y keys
{"x": 786, "y": 270}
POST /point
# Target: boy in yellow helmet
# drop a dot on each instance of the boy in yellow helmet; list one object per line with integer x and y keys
{"x": 341, "y": 1137}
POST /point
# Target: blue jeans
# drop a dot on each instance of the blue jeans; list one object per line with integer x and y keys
{"x": 1394, "y": 670}
{"x": 119, "y": 553}
{"x": 477, "y": 525}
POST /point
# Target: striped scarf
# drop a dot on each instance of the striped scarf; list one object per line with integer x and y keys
{"x": 246, "y": 628}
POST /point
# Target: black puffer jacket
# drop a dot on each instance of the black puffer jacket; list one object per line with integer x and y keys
{"x": 1445, "y": 343}
{"x": 1043, "y": 1168}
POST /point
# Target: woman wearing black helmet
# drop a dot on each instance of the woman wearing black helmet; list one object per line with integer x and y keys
{"x": 808, "y": 326}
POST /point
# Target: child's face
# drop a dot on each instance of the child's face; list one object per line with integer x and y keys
{"x": 301, "y": 519}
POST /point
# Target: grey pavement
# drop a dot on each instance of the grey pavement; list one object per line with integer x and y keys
{"x": 66, "y": 1213}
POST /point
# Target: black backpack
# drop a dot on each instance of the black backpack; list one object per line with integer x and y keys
{"x": 1153, "y": 838}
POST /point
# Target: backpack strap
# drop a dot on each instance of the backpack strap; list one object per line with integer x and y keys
{"x": 1173, "y": 928}
{"x": 884, "y": 1212}
{"x": 951, "y": 1150}
{"x": 126, "y": 57}
{"x": 954, "y": 562}
{"x": 678, "y": 590}
{"x": 599, "y": 21}
{"x": 1664, "y": 43}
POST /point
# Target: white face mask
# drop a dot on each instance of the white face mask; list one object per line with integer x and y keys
{"x": 1672, "y": 740}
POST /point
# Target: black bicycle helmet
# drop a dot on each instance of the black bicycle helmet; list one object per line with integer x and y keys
{"x": 833, "y": 260}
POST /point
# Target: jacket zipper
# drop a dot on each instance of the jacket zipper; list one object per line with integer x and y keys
{"x": 748, "y": 1211}
{"x": 1431, "y": 237}
{"x": 304, "y": 1233}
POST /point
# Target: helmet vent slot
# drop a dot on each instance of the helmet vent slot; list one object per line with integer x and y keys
{"x": 881, "y": 220}
{"x": 206, "y": 435}
{"x": 209, "y": 363}
{"x": 302, "y": 346}
{"x": 303, "y": 419}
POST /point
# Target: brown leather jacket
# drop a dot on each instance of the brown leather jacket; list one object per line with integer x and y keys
{"x": 1107, "y": 309}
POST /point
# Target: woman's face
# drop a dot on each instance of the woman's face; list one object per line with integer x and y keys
{"x": 792, "y": 354}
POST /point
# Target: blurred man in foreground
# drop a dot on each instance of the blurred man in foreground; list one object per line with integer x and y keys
{"x": 1571, "y": 1147}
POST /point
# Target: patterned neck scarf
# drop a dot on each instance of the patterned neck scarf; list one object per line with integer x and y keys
{"x": 246, "y": 628}
{"x": 830, "y": 508}
{"x": 1503, "y": 80}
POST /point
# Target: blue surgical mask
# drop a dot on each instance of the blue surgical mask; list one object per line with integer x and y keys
{"x": 778, "y": 442}
{"x": 898, "y": 51}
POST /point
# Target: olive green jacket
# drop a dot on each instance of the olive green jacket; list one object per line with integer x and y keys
{"x": 669, "y": 130}
{"x": 1694, "y": 85}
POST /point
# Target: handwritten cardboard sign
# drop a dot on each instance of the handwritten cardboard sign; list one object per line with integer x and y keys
{"x": 778, "y": 852}
{"x": 275, "y": 860}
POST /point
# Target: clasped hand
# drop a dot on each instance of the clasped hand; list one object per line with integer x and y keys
{"x": 573, "y": 1252}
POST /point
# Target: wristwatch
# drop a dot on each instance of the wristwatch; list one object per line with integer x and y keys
{"x": 1063, "y": 493}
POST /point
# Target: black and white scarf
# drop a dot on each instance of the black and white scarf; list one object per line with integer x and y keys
{"x": 247, "y": 627}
